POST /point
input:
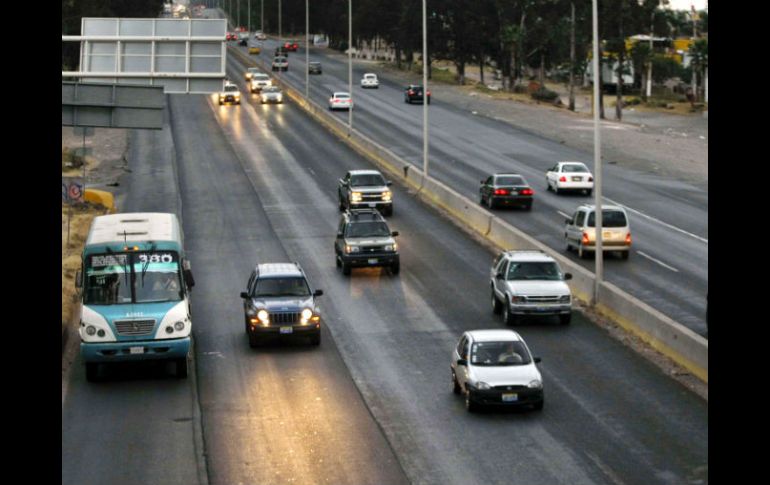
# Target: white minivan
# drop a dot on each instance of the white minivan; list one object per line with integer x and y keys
{"x": 580, "y": 230}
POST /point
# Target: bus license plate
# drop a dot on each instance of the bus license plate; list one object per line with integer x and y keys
{"x": 286, "y": 330}
{"x": 136, "y": 350}
{"x": 512, "y": 397}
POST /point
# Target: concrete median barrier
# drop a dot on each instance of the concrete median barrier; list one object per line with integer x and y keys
{"x": 669, "y": 337}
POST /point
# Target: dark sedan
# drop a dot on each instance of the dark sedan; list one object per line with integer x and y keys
{"x": 414, "y": 93}
{"x": 506, "y": 189}
{"x": 314, "y": 68}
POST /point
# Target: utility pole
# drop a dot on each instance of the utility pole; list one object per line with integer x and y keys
{"x": 597, "y": 158}
{"x": 424, "y": 90}
{"x": 249, "y": 15}
{"x": 307, "y": 50}
{"x": 350, "y": 65}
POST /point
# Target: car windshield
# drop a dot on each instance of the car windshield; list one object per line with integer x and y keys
{"x": 574, "y": 168}
{"x": 610, "y": 218}
{"x": 533, "y": 271}
{"x": 367, "y": 229}
{"x": 370, "y": 76}
{"x": 315, "y": 64}
{"x": 366, "y": 180}
{"x": 499, "y": 354}
{"x": 509, "y": 180}
{"x": 287, "y": 286}
{"x": 261, "y": 77}
{"x": 231, "y": 88}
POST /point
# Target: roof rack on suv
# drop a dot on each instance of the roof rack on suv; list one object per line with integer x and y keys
{"x": 357, "y": 213}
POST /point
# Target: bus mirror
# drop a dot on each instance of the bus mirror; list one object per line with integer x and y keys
{"x": 188, "y": 279}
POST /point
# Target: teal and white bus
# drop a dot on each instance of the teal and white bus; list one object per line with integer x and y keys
{"x": 135, "y": 283}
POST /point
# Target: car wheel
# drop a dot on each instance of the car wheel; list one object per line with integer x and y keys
{"x": 565, "y": 319}
{"x": 345, "y": 268}
{"x": 337, "y": 261}
{"x": 547, "y": 185}
{"x": 395, "y": 268}
{"x": 390, "y": 211}
{"x": 181, "y": 368}
{"x": 470, "y": 406}
{"x": 528, "y": 206}
{"x": 588, "y": 192}
{"x": 481, "y": 199}
{"x": 92, "y": 371}
{"x": 508, "y": 317}
{"x": 315, "y": 339}
{"x": 556, "y": 188}
{"x": 581, "y": 252}
{"x": 497, "y": 307}
{"x": 491, "y": 202}
{"x": 455, "y": 386}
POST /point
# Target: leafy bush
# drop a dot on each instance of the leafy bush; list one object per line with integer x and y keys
{"x": 544, "y": 94}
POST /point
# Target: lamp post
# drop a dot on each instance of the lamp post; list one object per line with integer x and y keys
{"x": 350, "y": 64}
{"x": 307, "y": 50}
{"x": 597, "y": 158}
{"x": 424, "y": 90}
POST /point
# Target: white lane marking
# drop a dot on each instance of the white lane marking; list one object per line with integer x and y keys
{"x": 311, "y": 171}
{"x": 657, "y": 261}
{"x": 702, "y": 239}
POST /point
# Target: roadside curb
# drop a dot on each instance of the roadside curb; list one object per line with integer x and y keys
{"x": 669, "y": 337}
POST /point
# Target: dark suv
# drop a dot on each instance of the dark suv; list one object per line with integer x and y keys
{"x": 413, "y": 93}
{"x": 278, "y": 302}
{"x": 364, "y": 240}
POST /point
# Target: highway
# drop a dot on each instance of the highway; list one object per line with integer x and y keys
{"x": 374, "y": 403}
{"x": 668, "y": 268}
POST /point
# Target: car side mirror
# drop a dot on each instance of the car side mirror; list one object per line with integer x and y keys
{"x": 499, "y": 276}
{"x": 568, "y": 221}
{"x": 394, "y": 233}
{"x": 188, "y": 278}
{"x": 244, "y": 295}
{"x": 567, "y": 276}
{"x": 318, "y": 292}
{"x": 462, "y": 362}
{"x": 537, "y": 360}
{"x": 339, "y": 235}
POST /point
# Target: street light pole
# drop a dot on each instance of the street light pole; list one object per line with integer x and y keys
{"x": 350, "y": 64}
{"x": 424, "y": 90}
{"x": 280, "y": 36}
{"x": 238, "y": 7}
{"x": 597, "y": 158}
{"x": 649, "y": 62}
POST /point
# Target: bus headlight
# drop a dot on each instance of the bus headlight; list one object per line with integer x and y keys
{"x": 90, "y": 330}
{"x": 179, "y": 326}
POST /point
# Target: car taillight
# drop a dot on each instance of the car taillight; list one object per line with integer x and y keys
{"x": 562, "y": 179}
{"x": 428, "y": 93}
{"x": 628, "y": 239}
{"x": 590, "y": 179}
{"x": 501, "y": 192}
{"x": 585, "y": 238}
{"x": 527, "y": 192}
{"x": 411, "y": 93}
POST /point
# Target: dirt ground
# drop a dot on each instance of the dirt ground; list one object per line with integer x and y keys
{"x": 103, "y": 167}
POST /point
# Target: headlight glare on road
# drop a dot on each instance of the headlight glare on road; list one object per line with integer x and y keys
{"x": 535, "y": 384}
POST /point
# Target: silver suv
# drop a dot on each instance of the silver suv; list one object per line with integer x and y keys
{"x": 529, "y": 283}
{"x": 278, "y": 302}
{"x": 364, "y": 240}
{"x": 365, "y": 188}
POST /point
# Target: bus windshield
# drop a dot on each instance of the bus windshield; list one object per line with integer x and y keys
{"x": 120, "y": 278}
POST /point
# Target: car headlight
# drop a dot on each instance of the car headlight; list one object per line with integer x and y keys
{"x": 352, "y": 249}
{"x": 306, "y": 314}
{"x": 391, "y": 247}
{"x": 387, "y": 195}
{"x": 356, "y": 197}
{"x": 535, "y": 384}
{"x": 90, "y": 330}
{"x": 518, "y": 299}
{"x": 564, "y": 299}
{"x": 483, "y": 386}
{"x": 280, "y": 97}
{"x": 263, "y": 316}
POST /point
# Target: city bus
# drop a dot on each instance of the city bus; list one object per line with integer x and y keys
{"x": 134, "y": 285}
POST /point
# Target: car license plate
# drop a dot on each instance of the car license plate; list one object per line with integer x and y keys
{"x": 373, "y": 261}
{"x": 510, "y": 397}
{"x": 286, "y": 330}
{"x": 514, "y": 192}
{"x": 136, "y": 350}
{"x": 607, "y": 235}
{"x": 577, "y": 179}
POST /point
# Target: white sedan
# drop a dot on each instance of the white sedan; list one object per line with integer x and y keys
{"x": 570, "y": 176}
{"x": 370, "y": 81}
{"x": 496, "y": 368}
{"x": 340, "y": 100}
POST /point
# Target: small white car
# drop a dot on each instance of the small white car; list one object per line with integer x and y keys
{"x": 370, "y": 81}
{"x": 250, "y": 73}
{"x": 496, "y": 368}
{"x": 260, "y": 81}
{"x": 271, "y": 94}
{"x": 580, "y": 230}
{"x": 570, "y": 176}
{"x": 230, "y": 94}
{"x": 340, "y": 100}
{"x": 260, "y": 36}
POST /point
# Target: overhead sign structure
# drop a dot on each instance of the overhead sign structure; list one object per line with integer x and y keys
{"x": 182, "y": 55}
{"x": 112, "y": 105}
